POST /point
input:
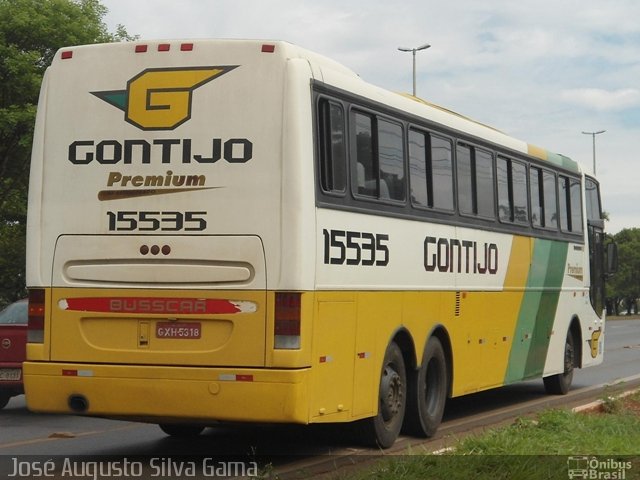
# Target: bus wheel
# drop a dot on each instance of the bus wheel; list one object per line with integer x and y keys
{"x": 4, "y": 399}
{"x": 181, "y": 430}
{"x": 560, "y": 383}
{"x": 383, "y": 429}
{"x": 427, "y": 392}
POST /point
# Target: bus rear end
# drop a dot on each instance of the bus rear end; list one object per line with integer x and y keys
{"x": 155, "y": 193}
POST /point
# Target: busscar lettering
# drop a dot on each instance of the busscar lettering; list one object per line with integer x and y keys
{"x": 452, "y": 255}
{"x": 157, "y": 306}
{"x": 165, "y": 150}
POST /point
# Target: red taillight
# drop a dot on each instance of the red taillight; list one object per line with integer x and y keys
{"x": 141, "y": 48}
{"x": 287, "y": 320}
{"x": 186, "y": 47}
{"x": 266, "y": 48}
{"x": 66, "y": 54}
{"x": 164, "y": 47}
{"x": 35, "y": 332}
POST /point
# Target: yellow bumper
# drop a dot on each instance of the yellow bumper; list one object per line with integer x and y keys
{"x": 160, "y": 394}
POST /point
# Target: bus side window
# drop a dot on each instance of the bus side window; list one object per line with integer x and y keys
{"x": 431, "y": 167}
{"x": 593, "y": 200}
{"x": 366, "y": 169}
{"x": 442, "y": 173}
{"x": 537, "y": 206}
{"x": 513, "y": 206}
{"x": 475, "y": 181}
{"x": 391, "y": 160}
{"x": 333, "y": 157}
{"x": 576, "y": 205}
{"x": 550, "y": 200}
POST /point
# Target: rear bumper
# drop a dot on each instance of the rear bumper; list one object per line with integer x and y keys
{"x": 164, "y": 394}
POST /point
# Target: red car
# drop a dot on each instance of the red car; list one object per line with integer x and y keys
{"x": 13, "y": 349}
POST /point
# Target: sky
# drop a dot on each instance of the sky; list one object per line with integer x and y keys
{"x": 542, "y": 71}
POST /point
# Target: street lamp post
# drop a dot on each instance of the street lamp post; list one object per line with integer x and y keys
{"x": 593, "y": 136}
{"x": 414, "y": 50}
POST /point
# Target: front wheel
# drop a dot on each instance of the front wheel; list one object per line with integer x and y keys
{"x": 427, "y": 392}
{"x": 560, "y": 383}
{"x": 383, "y": 429}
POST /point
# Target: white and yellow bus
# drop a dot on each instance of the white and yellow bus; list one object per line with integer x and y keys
{"x": 245, "y": 231}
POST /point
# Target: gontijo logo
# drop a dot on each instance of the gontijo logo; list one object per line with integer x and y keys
{"x": 161, "y": 98}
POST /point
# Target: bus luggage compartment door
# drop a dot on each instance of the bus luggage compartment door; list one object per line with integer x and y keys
{"x": 182, "y": 300}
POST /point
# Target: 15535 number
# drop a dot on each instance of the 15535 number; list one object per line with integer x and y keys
{"x": 355, "y": 248}
{"x": 129, "y": 221}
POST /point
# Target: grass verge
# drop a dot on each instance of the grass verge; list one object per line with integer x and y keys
{"x": 555, "y": 443}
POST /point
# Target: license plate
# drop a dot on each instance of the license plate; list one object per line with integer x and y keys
{"x": 180, "y": 330}
{"x": 12, "y": 374}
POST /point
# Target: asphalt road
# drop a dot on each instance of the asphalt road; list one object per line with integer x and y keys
{"x": 24, "y": 433}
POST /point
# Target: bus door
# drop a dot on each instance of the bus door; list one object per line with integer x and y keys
{"x": 596, "y": 237}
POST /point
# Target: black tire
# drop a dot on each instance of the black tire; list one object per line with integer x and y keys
{"x": 427, "y": 392}
{"x": 4, "y": 399}
{"x": 383, "y": 429}
{"x": 560, "y": 383}
{"x": 181, "y": 430}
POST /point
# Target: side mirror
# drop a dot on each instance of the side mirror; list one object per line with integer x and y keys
{"x": 612, "y": 258}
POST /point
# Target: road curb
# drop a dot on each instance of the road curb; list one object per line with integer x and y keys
{"x": 598, "y": 405}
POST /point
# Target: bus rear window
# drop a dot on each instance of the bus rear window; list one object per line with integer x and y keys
{"x": 333, "y": 158}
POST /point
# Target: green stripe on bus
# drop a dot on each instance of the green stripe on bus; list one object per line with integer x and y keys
{"x": 537, "y": 311}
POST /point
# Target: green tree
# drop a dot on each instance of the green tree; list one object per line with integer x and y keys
{"x": 31, "y": 31}
{"x": 625, "y": 284}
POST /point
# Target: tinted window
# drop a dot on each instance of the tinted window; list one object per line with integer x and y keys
{"x": 537, "y": 217}
{"x": 563, "y": 201}
{"x": 576, "y": 205}
{"x": 391, "y": 160}
{"x": 465, "y": 184}
{"x": 484, "y": 184}
{"x": 333, "y": 156}
{"x": 431, "y": 171}
{"x": 503, "y": 173}
{"x": 366, "y": 166}
{"x": 550, "y": 200}
{"x": 475, "y": 181}
{"x": 418, "y": 161}
{"x": 520, "y": 204}
{"x": 442, "y": 172}
{"x": 593, "y": 200}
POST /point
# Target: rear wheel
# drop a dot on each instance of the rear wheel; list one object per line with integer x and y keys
{"x": 181, "y": 430}
{"x": 383, "y": 429}
{"x": 427, "y": 392}
{"x": 4, "y": 399}
{"x": 560, "y": 383}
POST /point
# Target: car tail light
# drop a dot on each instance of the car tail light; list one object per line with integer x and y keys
{"x": 287, "y": 321}
{"x": 35, "y": 332}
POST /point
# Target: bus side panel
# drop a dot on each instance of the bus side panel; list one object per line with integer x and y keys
{"x": 537, "y": 314}
{"x": 332, "y": 357}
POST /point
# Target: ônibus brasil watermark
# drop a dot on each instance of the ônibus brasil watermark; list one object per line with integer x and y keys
{"x": 594, "y": 468}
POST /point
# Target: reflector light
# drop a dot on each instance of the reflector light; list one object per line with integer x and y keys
{"x": 232, "y": 377}
{"x": 268, "y": 48}
{"x": 35, "y": 329}
{"x": 141, "y": 48}
{"x": 66, "y": 54}
{"x": 287, "y": 320}
{"x": 164, "y": 47}
{"x": 186, "y": 47}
